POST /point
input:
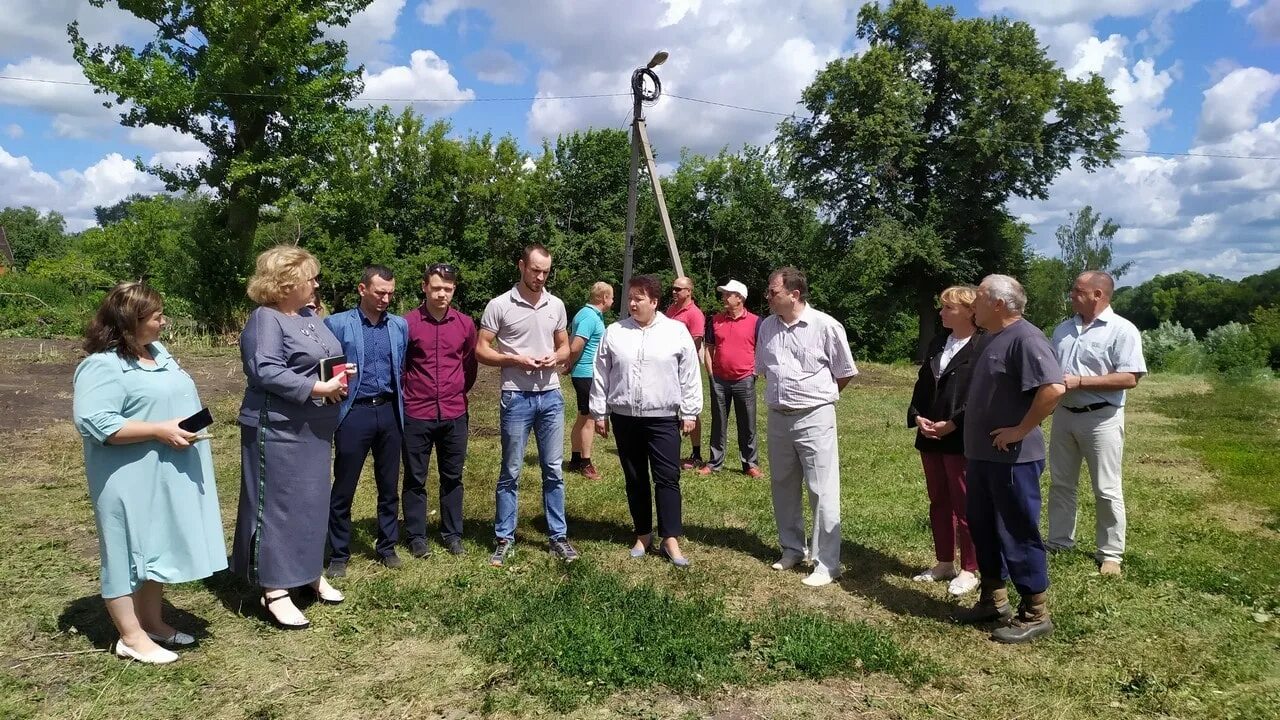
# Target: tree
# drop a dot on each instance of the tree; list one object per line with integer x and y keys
{"x": 936, "y": 126}
{"x": 33, "y": 234}
{"x": 1047, "y": 281}
{"x": 1086, "y": 244}
{"x": 110, "y": 214}
{"x": 253, "y": 80}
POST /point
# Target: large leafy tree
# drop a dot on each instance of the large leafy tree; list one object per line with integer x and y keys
{"x": 255, "y": 81}
{"x": 935, "y": 127}
{"x": 33, "y": 234}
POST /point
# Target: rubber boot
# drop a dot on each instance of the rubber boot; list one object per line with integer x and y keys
{"x": 1031, "y": 622}
{"x": 993, "y": 604}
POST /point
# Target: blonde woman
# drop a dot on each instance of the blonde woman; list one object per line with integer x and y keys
{"x": 937, "y": 413}
{"x": 150, "y": 481}
{"x": 286, "y": 429}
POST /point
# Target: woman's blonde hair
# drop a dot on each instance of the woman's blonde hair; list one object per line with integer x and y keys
{"x": 279, "y": 270}
{"x": 964, "y": 295}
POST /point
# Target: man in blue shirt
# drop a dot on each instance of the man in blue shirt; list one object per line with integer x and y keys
{"x": 371, "y": 418}
{"x": 585, "y": 335}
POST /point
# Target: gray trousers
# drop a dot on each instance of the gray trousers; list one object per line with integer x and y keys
{"x": 1097, "y": 438}
{"x": 742, "y": 395}
{"x": 803, "y": 454}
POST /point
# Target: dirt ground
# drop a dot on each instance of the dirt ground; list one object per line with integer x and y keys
{"x": 35, "y": 379}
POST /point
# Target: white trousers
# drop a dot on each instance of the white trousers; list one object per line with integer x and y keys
{"x": 803, "y": 454}
{"x": 1097, "y": 438}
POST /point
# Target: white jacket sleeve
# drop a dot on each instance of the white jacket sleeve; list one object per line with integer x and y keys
{"x": 598, "y": 401}
{"x": 690, "y": 375}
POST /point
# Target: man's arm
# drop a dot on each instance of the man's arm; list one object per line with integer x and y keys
{"x": 842, "y": 382}
{"x": 1110, "y": 381}
{"x": 562, "y": 347}
{"x": 487, "y": 354}
{"x": 1042, "y": 406}
{"x": 576, "y": 346}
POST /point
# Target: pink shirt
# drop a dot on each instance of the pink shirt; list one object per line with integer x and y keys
{"x": 439, "y": 366}
{"x": 691, "y": 317}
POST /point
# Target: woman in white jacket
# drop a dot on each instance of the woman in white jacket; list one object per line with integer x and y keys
{"x": 647, "y": 383}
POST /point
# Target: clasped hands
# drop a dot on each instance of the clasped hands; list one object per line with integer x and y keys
{"x": 935, "y": 429}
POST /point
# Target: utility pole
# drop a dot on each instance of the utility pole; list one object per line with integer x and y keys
{"x": 641, "y": 94}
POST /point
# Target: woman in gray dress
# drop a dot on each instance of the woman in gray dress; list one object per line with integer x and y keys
{"x": 286, "y": 430}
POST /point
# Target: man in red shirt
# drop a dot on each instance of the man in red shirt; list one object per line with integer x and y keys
{"x": 731, "y": 347}
{"x": 439, "y": 370}
{"x": 685, "y": 310}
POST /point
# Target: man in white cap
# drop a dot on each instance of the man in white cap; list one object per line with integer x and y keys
{"x": 731, "y": 359}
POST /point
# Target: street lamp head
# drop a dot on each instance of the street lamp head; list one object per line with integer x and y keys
{"x": 658, "y": 58}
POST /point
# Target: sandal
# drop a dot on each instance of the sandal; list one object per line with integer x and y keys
{"x": 266, "y": 605}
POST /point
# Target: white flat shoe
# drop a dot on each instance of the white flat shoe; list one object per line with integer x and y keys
{"x": 159, "y": 656}
{"x": 931, "y": 576}
{"x": 328, "y": 594}
{"x": 177, "y": 638}
{"x": 963, "y": 584}
{"x": 788, "y": 561}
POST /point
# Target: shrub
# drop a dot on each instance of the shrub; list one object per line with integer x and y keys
{"x": 1172, "y": 348}
{"x": 43, "y": 307}
{"x": 1266, "y": 325}
{"x": 1233, "y": 349}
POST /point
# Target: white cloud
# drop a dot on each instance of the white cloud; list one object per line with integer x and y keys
{"x": 13, "y": 130}
{"x": 74, "y": 193}
{"x": 369, "y": 34}
{"x": 32, "y": 27}
{"x": 754, "y": 52}
{"x": 496, "y": 66}
{"x": 1233, "y": 103}
{"x": 426, "y": 76}
{"x": 65, "y": 92}
{"x": 1266, "y": 20}
{"x": 160, "y": 138}
{"x": 1138, "y": 89}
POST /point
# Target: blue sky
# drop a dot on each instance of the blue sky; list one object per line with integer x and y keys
{"x": 1193, "y": 76}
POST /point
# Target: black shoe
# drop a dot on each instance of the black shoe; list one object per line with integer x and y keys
{"x": 572, "y": 465}
{"x": 337, "y": 569}
{"x": 392, "y": 561}
{"x": 454, "y": 546}
{"x": 419, "y": 548}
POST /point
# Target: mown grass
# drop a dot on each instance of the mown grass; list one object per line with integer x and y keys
{"x": 1185, "y": 633}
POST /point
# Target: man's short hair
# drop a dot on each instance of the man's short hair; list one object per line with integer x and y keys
{"x": 1006, "y": 288}
{"x": 793, "y": 280}
{"x": 373, "y": 271}
{"x": 599, "y": 291}
{"x": 648, "y": 284}
{"x": 532, "y": 248}
{"x": 1101, "y": 279}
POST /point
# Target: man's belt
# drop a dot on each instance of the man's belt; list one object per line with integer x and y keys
{"x": 1087, "y": 408}
{"x": 376, "y": 400}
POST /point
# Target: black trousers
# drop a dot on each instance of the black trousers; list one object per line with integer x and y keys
{"x": 365, "y": 428}
{"x": 651, "y": 446}
{"x": 449, "y": 439}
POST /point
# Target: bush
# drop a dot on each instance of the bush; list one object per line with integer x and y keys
{"x": 43, "y": 307}
{"x": 1233, "y": 349}
{"x": 1172, "y": 348}
{"x": 1266, "y": 325}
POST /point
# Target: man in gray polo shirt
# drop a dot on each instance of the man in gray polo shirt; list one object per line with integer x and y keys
{"x": 1101, "y": 354}
{"x": 804, "y": 356}
{"x": 529, "y": 325}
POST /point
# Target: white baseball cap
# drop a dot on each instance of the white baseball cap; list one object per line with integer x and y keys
{"x": 734, "y": 286}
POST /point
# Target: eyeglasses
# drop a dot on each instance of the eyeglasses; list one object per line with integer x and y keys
{"x": 675, "y": 288}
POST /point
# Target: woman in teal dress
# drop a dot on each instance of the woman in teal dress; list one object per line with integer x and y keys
{"x": 151, "y": 483}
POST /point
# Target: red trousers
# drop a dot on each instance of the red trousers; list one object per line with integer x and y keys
{"x": 944, "y": 479}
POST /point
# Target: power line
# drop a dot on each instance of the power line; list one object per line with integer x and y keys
{"x": 745, "y": 108}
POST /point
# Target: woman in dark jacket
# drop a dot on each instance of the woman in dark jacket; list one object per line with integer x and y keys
{"x": 937, "y": 413}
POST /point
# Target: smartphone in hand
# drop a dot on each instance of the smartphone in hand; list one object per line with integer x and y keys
{"x": 197, "y": 422}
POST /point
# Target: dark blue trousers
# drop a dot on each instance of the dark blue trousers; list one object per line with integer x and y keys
{"x": 366, "y": 428}
{"x": 449, "y": 439}
{"x": 1004, "y": 520}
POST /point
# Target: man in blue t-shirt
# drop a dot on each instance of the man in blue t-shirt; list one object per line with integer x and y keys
{"x": 585, "y": 334}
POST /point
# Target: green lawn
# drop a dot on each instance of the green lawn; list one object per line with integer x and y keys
{"x": 1187, "y": 632}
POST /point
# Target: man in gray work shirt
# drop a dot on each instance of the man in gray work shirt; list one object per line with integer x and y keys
{"x": 804, "y": 355}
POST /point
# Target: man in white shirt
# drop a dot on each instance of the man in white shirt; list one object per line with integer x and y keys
{"x": 804, "y": 356}
{"x": 1101, "y": 354}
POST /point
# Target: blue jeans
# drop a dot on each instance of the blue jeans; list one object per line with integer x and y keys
{"x": 543, "y": 412}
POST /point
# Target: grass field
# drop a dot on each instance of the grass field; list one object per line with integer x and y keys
{"x": 1189, "y": 631}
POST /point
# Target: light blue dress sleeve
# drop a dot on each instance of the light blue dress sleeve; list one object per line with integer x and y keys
{"x": 99, "y": 397}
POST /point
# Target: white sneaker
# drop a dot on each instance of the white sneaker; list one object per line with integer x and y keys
{"x": 939, "y": 572}
{"x": 963, "y": 584}
{"x": 820, "y": 577}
